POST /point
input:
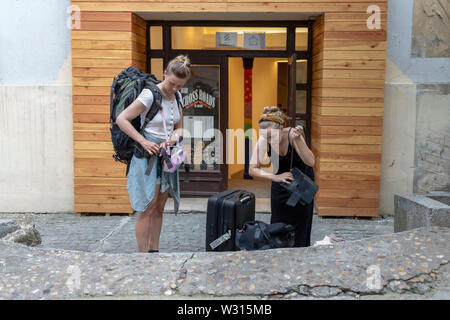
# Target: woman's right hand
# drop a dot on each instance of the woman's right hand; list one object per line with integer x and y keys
{"x": 285, "y": 177}
{"x": 151, "y": 147}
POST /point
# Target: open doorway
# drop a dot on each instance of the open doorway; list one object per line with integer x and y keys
{"x": 268, "y": 82}
{"x": 273, "y": 47}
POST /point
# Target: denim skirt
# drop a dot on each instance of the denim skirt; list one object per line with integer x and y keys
{"x": 141, "y": 187}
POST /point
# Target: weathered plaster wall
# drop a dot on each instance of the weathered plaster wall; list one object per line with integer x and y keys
{"x": 399, "y": 126}
{"x": 36, "y": 166}
{"x": 35, "y": 41}
{"x": 416, "y": 116}
{"x": 400, "y": 26}
{"x": 432, "y": 157}
{"x": 431, "y": 29}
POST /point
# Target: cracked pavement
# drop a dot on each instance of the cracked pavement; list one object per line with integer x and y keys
{"x": 407, "y": 265}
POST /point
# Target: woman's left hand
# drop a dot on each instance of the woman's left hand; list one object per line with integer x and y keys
{"x": 163, "y": 145}
{"x": 297, "y": 132}
{"x": 298, "y": 137}
{"x": 172, "y": 142}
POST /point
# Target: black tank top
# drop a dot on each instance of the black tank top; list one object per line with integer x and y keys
{"x": 284, "y": 164}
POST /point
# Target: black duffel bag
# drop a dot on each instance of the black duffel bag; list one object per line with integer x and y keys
{"x": 257, "y": 235}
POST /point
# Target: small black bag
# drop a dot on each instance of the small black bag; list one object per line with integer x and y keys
{"x": 257, "y": 235}
{"x": 302, "y": 189}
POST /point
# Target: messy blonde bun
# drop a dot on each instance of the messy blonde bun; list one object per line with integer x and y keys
{"x": 273, "y": 117}
{"x": 180, "y": 67}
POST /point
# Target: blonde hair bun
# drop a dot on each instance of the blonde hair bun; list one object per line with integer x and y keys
{"x": 184, "y": 60}
{"x": 180, "y": 66}
{"x": 274, "y": 114}
{"x": 269, "y": 110}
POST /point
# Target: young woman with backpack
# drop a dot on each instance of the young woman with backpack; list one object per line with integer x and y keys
{"x": 148, "y": 185}
{"x": 280, "y": 142}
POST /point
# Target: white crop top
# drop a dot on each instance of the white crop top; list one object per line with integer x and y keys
{"x": 171, "y": 114}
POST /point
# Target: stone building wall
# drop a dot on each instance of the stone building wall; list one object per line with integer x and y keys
{"x": 431, "y": 29}
{"x": 416, "y": 128}
{"x": 432, "y": 155}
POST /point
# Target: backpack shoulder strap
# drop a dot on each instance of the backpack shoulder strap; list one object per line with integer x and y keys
{"x": 111, "y": 99}
{"x": 156, "y": 105}
{"x": 179, "y": 99}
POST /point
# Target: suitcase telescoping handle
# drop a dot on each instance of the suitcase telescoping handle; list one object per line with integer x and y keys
{"x": 243, "y": 197}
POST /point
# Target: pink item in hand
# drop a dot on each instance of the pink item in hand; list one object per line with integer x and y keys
{"x": 177, "y": 154}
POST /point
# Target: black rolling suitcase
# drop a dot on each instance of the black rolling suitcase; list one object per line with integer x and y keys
{"x": 227, "y": 211}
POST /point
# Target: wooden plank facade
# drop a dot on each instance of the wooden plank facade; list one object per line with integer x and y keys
{"x": 347, "y": 113}
{"x": 347, "y": 96}
{"x": 106, "y": 43}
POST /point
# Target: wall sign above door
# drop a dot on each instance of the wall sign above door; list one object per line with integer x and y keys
{"x": 226, "y": 40}
{"x": 255, "y": 41}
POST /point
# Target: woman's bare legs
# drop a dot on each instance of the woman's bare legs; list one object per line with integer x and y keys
{"x": 143, "y": 224}
{"x": 149, "y": 223}
{"x": 156, "y": 219}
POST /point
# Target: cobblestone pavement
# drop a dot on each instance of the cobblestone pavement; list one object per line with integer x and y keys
{"x": 180, "y": 233}
{"x": 406, "y": 265}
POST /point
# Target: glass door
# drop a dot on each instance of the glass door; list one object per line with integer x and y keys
{"x": 204, "y": 123}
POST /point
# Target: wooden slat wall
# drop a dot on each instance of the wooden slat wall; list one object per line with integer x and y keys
{"x": 347, "y": 113}
{"x": 348, "y": 95}
{"x": 106, "y": 43}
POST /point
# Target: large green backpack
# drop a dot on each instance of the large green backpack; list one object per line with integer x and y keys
{"x": 125, "y": 89}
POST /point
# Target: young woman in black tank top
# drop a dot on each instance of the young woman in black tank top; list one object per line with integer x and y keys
{"x": 280, "y": 143}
